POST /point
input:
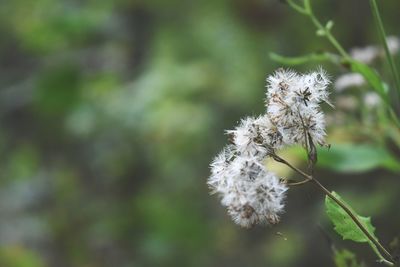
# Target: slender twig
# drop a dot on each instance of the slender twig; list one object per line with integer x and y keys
{"x": 307, "y": 11}
{"x": 355, "y": 219}
{"x": 299, "y": 183}
{"x": 342, "y": 205}
{"x": 382, "y": 35}
{"x": 281, "y": 160}
{"x": 297, "y": 7}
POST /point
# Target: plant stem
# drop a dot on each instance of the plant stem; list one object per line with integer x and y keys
{"x": 281, "y": 160}
{"x": 382, "y": 35}
{"x": 329, "y": 36}
{"x": 342, "y": 205}
{"x": 355, "y": 219}
{"x": 297, "y": 7}
{"x": 299, "y": 183}
{"x": 307, "y": 10}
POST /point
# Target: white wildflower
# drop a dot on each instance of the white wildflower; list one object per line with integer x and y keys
{"x": 365, "y": 54}
{"x": 369, "y": 53}
{"x": 393, "y": 44}
{"x": 349, "y": 80}
{"x": 372, "y": 100}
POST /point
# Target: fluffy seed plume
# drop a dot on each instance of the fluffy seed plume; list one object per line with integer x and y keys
{"x": 293, "y": 105}
{"x": 251, "y": 193}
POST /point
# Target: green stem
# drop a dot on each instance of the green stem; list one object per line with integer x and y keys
{"x": 307, "y": 11}
{"x": 330, "y": 37}
{"x": 299, "y": 183}
{"x": 348, "y": 210}
{"x": 359, "y": 224}
{"x": 297, "y": 7}
{"x": 382, "y": 36}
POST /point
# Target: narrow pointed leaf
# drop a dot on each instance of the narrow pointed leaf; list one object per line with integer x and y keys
{"x": 313, "y": 57}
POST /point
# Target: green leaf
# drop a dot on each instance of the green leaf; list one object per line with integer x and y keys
{"x": 313, "y": 57}
{"x": 356, "y": 158}
{"x": 346, "y": 258}
{"x": 373, "y": 79}
{"x": 347, "y": 228}
{"x": 343, "y": 223}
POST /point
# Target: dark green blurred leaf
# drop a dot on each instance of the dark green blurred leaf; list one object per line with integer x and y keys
{"x": 356, "y": 158}
{"x": 313, "y": 57}
{"x": 58, "y": 90}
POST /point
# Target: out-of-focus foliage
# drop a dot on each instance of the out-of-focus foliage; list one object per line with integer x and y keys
{"x": 345, "y": 258}
{"x": 357, "y": 158}
{"x": 112, "y": 110}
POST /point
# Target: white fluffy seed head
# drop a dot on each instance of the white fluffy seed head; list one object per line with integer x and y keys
{"x": 316, "y": 83}
{"x": 281, "y": 82}
{"x": 251, "y": 193}
{"x": 297, "y": 113}
{"x": 246, "y": 138}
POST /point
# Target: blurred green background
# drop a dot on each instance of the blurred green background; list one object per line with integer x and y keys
{"x": 111, "y": 112}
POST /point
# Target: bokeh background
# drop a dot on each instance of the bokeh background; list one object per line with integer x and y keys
{"x": 111, "y": 112}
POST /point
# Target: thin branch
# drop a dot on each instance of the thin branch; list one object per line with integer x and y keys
{"x": 281, "y": 160}
{"x": 343, "y": 206}
{"x": 299, "y": 183}
{"x": 307, "y": 11}
{"x": 297, "y": 7}
{"x": 355, "y": 219}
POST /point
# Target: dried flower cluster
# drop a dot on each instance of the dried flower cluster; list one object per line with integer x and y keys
{"x": 252, "y": 193}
